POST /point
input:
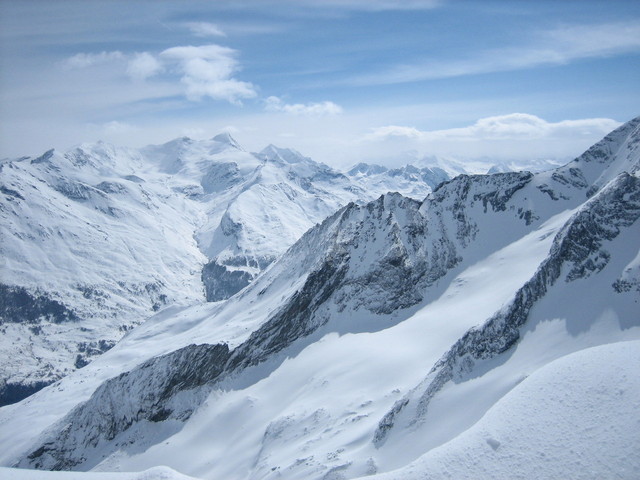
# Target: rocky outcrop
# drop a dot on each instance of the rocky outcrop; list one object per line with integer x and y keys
{"x": 19, "y": 305}
{"x": 146, "y": 393}
{"x": 577, "y": 252}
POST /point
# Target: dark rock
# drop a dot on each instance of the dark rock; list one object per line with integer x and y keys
{"x": 19, "y": 305}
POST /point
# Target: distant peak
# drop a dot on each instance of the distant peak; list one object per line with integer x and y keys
{"x": 367, "y": 169}
{"x": 287, "y": 155}
{"x": 177, "y": 142}
{"x": 45, "y": 157}
{"x": 226, "y": 138}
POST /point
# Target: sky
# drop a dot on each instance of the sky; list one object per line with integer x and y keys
{"x": 341, "y": 81}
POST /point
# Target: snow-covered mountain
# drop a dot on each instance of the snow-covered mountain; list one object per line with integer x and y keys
{"x": 411, "y": 181}
{"x": 489, "y": 331}
{"x": 97, "y": 239}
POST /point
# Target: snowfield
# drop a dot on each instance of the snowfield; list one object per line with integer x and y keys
{"x": 155, "y": 473}
{"x": 489, "y": 331}
{"x": 576, "y": 417}
{"x": 199, "y": 220}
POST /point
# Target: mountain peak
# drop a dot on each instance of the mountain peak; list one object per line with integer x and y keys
{"x": 366, "y": 169}
{"x": 45, "y": 157}
{"x": 287, "y": 155}
{"x": 225, "y": 137}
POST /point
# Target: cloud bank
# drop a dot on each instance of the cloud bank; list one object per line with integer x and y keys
{"x": 514, "y": 126}
{"x": 275, "y": 104}
{"x": 515, "y": 135}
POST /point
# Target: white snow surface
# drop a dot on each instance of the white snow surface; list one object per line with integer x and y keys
{"x": 115, "y": 234}
{"x": 155, "y": 473}
{"x": 561, "y": 403}
{"x": 306, "y": 417}
{"x": 577, "y": 417}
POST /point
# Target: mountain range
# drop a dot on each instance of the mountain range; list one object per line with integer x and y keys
{"x": 97, "y": 239}
{"x": 476, "y": 326}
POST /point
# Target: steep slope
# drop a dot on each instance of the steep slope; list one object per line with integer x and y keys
{"x": 97, "y": 239}
{"x": 573, "y": 413}
{"x": 587, "y": 255}
{"x": 89, "y": 249}
{"x": 383, "y": 333}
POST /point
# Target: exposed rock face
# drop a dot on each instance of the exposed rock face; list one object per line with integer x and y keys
{"x": 145, "y": 393}
{"x": 577, "y": 252}
{"x": 377, "y": 262}
{"x": 221, "y": 283}
{"x": 198, "y": 220}
{"x": 18, "y": 305}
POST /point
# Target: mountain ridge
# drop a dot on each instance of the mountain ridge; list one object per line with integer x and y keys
{"x": 217, "y": 214}
{"x": 468, "y": 286}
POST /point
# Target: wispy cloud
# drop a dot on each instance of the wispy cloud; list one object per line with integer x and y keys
{"x": 207, "y": 71}
{"x": 375, "y": 5}
{"x": 275, "y": 104}
{"x": 205, "y": 29}
{"x": 551, "y": 47}
{"x": 365, "y": 5}
{"x": 116, "y": 127}
{"x": 85, "y": 60}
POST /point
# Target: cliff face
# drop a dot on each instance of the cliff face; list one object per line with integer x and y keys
{"x": 382, "y": 333}
{"x": 578, "y": 251}
{"x": 99, "y": 238}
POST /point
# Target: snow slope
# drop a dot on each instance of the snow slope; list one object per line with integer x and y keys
{"x": 384, "y": 334}
{"x": 365, "y": 359}
{"x": 89, "y": 249}
{"x": 99, "y": 238}
{"x": 575, "y": 417}
{"x": 155, "y": 473}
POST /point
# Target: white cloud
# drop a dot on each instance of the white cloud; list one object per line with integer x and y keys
{"x": 116, "y": 127}
{"x": 207, "y": 71}
{"x": 275, "y": 104}
{"x": 551, "y": 47}
{"x": 204, "y": 71}
{"x": 502, "y": 127}
{"x": 143, "y": 65}
{"x": 394, "y": 131}
{"x": 205, "y": 29}
{"x": 84, "y": 60}
{"x": 516, "y": 135}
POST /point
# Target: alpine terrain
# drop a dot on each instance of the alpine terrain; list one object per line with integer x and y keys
{"x": 97, "y": 239}
{"x": 489, "y": 328}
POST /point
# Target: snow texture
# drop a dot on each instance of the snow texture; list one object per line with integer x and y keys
{"x": 97, "y": 239}
{"x": 490, "y": 331}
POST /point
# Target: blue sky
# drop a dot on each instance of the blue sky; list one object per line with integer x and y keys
{"x": 341, "y": 81}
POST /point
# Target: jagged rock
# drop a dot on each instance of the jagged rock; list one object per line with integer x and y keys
{"x": 577, "y": 249}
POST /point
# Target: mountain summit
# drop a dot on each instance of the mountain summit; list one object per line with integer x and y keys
{"x": 397, "y": 338}
{"x": 99, "y": 238}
